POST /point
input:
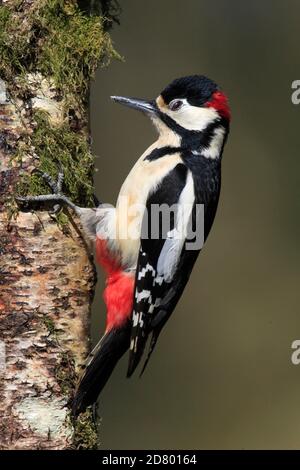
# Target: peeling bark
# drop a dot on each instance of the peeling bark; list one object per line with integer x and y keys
{"x": 47, "y": 277}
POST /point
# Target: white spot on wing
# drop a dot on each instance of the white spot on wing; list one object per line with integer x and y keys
{"x": 141, "y": 322}
{"x": 135, "y": 319}
{"x": 144, "y": 294}
{"x": 156, "y": 304}
{"x": 145, "y": 270}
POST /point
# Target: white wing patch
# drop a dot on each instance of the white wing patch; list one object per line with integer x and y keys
{"x": 171, "y": 251}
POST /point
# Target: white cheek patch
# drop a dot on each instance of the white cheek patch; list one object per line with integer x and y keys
{"x": 214, "y": 149}
{"x": 193, "y": 118}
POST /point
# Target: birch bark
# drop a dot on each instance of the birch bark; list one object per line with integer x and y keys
{"x": 49, "y": 50}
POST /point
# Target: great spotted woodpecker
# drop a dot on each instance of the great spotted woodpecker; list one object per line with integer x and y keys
{"x": 145, "y": 276}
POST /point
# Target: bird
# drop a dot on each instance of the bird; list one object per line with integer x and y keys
{"x": 146, "y": 274}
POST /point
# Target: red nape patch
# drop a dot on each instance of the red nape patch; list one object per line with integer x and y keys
{"x": 219, "y": 101}
{"x": 118, "y": 297}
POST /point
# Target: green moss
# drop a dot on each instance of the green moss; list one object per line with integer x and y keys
{"x": 49, "y": 324}
{"x": 85, "y": 432}
{"x": 59, "y": 148}
{"x": 56, "y": 38}
{"x": 12, "y": 209}
{"x": 65, "y": 373}
{"x": 85, "y": 429}
{"x": 73, "y": 46}
{"x": 64, "y": 43}
{"x": 62, "y": 221}
{"x": 13, "y": 44}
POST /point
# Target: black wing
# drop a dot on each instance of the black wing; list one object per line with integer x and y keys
{"x": 159, "y": 276}
{"x": 159, "y": 285}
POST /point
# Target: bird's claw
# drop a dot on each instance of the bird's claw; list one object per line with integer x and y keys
{"x": 56, "y": 209}
{"x": 54, "y": 185}
{"x": 56, "y": 196}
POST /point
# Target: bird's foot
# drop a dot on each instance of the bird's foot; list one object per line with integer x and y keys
{"x": 56, "y": 197}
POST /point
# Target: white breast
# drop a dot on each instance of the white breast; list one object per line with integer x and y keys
{"x": 142, "y": 180}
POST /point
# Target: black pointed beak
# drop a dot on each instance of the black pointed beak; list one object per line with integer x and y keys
{"x": 148, "y": 107}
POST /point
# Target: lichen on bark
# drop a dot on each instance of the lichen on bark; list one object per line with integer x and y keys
{"x": 49, "y": 51}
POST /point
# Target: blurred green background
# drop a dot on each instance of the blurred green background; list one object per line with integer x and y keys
{"x": 221, "y": 376}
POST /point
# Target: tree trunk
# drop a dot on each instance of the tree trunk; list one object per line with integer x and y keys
{"x": 49, "y": 49}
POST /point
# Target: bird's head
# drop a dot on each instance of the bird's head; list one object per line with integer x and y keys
{"x": 189, "y": 105}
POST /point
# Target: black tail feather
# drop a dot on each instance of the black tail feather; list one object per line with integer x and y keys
{"x": 99, "y": 367}
{"x": 152, "y": 345}
{"x": 156, "y": 328}
{"x": 135, "y": 357}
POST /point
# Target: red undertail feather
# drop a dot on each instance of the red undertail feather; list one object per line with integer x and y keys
{"x": 118, "y": 293}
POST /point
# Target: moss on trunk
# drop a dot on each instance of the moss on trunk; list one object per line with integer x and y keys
{"x": 49, "y": 51}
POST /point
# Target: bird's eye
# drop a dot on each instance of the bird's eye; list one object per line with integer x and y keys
{"x": 175, "y": 105}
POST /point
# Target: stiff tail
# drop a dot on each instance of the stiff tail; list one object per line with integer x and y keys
{"x": 99, "y": 367}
